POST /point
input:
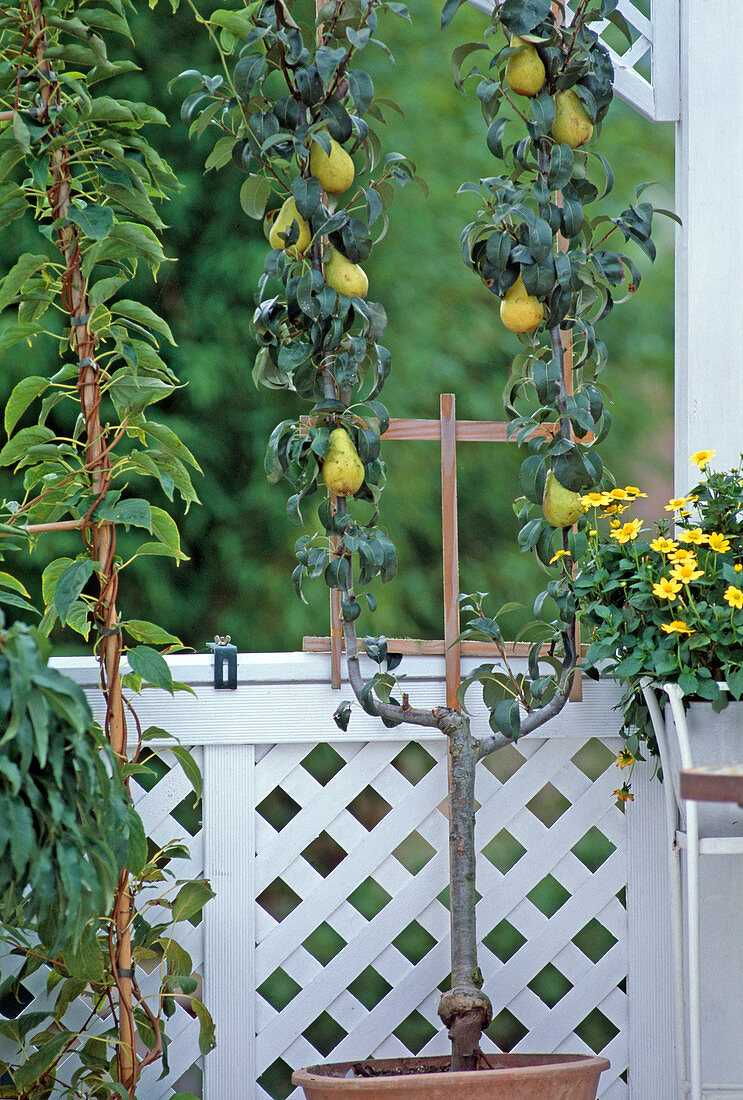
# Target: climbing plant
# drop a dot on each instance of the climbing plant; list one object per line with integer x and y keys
{"x": 75, "y": 163}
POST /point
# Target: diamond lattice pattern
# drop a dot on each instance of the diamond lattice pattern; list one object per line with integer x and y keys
{"x": 352, "y": 926}
{"x": 169, "y": 813}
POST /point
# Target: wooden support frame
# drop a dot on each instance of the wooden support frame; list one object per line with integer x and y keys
{"x": 447, "y": 431}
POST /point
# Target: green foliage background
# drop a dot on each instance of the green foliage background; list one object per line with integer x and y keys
{"x": 444, "y": 335}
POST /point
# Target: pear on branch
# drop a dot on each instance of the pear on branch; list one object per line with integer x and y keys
{"x": 520, "y": 311}
{"x": 525, "y": 70}
{"x": 281, "y": 225}
{"x": 572, "y": 126}
{"x": 561, "y": 506}
{"x": 342, "y": 469}
{"x": 335, "y": 171}
{"x": 345, "y": 277}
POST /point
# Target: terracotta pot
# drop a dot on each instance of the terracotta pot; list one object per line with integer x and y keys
{"x": 510, "y": 1077}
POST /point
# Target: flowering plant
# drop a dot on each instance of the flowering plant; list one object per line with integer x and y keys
{"x": 667, "y": 603}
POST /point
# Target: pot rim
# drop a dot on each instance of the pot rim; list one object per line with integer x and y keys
{"x": 516, "y": 1071}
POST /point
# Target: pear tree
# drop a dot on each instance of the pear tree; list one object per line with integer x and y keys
{"x": 294, "y": 110}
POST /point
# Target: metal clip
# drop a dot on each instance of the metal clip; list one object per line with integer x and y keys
{"x": 224, "y": 651}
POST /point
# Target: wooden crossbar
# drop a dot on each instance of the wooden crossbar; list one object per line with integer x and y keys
{"x": 447, "y": 431}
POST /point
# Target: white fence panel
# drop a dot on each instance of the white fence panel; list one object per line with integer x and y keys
{"x": 329, "y": 934}
{"x": 328, "y": 852}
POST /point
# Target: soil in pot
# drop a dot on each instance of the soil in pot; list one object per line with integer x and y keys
{"x": 499, "y": 1077}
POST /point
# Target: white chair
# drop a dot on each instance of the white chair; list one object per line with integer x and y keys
{"x": 688, "y": 1056}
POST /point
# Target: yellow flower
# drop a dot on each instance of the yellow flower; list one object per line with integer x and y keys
{"x": 559, "y": 554}
{"x": 734, "y": 596}
{"x": 701, "y": 458}
{"x": 686, "y": 573}
{"x": 624, "y": 759}
{"x": 738, "y": 567}
{"x": 667, "y": 589}
{"x": 677, "y": 626}
{"x": 612, "y": 509}
{"x": 618, "y": 494}
{"x": 718, "y": 543}
{"x": 683, "y": 556}
{"x": 678, "y": 502}
{"x": 634, "y": 491}
{"x": 624, "y": 794}
{"x": 695, "y": 536}
{"x": 628, "y": 531}
{"x": 663, "y": 545}
{"x": 592, "y": 500}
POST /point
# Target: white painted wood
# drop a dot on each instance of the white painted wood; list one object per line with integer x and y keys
{"x": 285, "y": 685}
{"x": 650, "y": 979}
{"x": 709, "y": 274}
{"x": 229, "y": 919}
{"x": 246, "y": 757}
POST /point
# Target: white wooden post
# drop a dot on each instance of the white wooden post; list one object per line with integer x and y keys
{"x": 650, "y": 964}
{"x": 709, "y": 272}
{"x": 229, "y": 919}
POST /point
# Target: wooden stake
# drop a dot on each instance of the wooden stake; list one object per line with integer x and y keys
{"x": 450, "y": 545}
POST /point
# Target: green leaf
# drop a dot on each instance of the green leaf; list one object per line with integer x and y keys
{"x": 522, "y": 16}
{"x": 21, "y": 397}
{"x": 190, "y": 768}
{"x": 16, "y": 448}
{"x": 95, "y": 222}
{"x": 21, "y": 829}
{"x": 239, "y": 23}
{"x": 19, "y": 274}
{"x": 69, "y": 586}
{"x": 151, "y": 666}
{"x": 206, "y": 1026}
{"x": 21, "y": 132}
{"x": 169, "y": 442}
{"x": 221, "y": 154}
{"x": 449, "y": 11}
{"x": 361, "y": 88}
{"x": 136, "y": 858}
{"x": 166, "y": 529}
{"x": 131, "y": 512}
{"x": 143, "y": 631}
{"x": 191, "y": 899}
{"x": 254, "y": 195}
{"x": 40, "y": 1061}
{"x": 143, "y": 315}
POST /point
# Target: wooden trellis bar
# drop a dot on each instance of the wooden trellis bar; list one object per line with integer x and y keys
{"x": 448, "y": 431}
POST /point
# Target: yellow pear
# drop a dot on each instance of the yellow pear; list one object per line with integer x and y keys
{"x": 525, "y": 70}
{"x": 572, "y": 126}
{"x": 345, "y": 277}
{"x": 281, "y": 224}
{"x": 335, "y": 172}
{"x": 342, "y": 470}
{"x": 520, "y": 311}
{"x": 561, "y": 507}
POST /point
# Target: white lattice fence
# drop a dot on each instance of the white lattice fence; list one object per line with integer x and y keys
{"x": 328, "y": 853}
{"x": 355, "y": 921}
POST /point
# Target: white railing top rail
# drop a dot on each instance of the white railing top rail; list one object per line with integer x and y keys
{"x": 285, "y": 697}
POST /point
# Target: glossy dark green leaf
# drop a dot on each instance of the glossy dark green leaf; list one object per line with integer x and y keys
{"x": 151, "y": 666}
{"x": 95, "y": 222}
